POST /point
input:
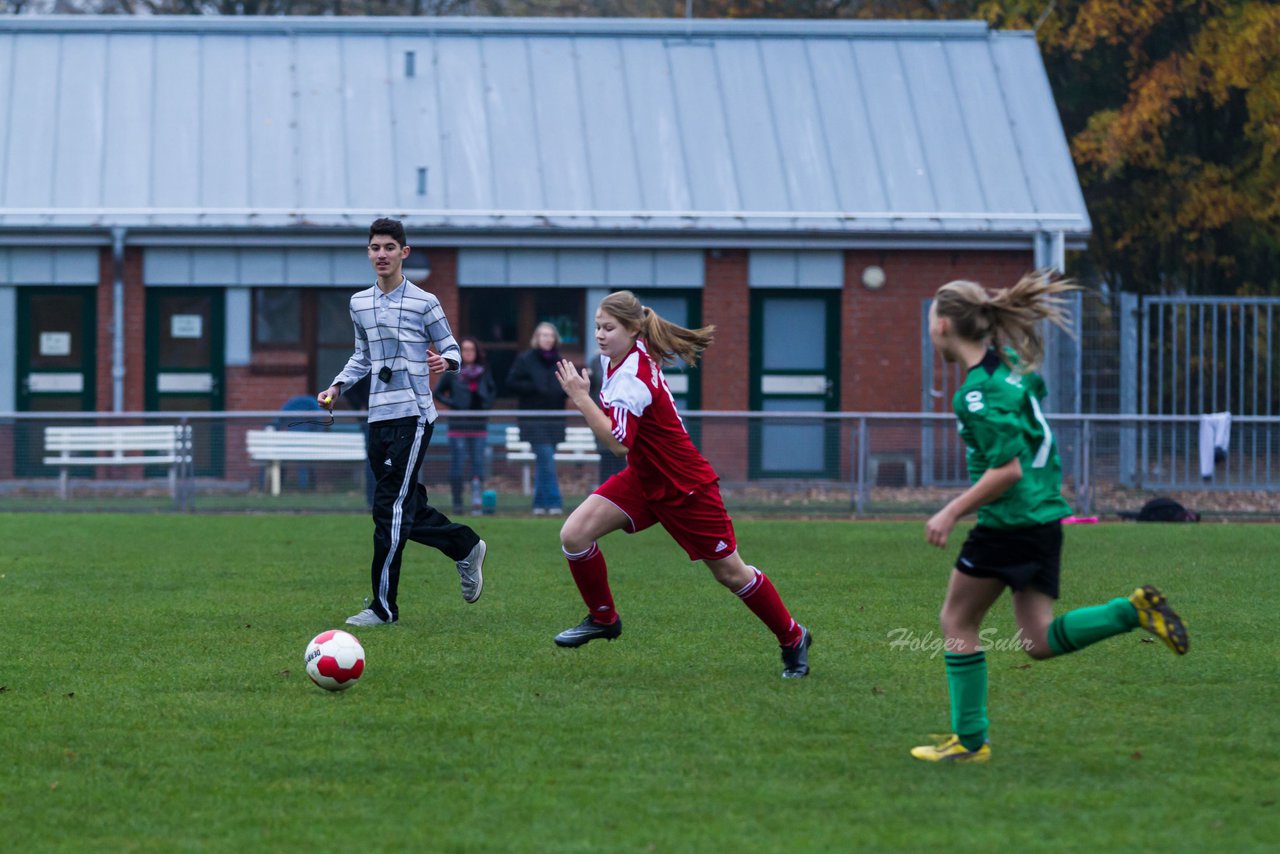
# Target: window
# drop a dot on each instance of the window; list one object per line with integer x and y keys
{"x": 311, "y": 325}
{"x": 277, "y": 317}
{"x": 503, "y": 320}
{"x": 335, "y": 337}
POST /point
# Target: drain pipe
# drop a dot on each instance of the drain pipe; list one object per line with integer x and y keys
{"x": 117, "y": 319}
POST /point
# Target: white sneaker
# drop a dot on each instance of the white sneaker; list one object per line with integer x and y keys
{"x": 367, "y": 617}
{"x": 539, "y": 511}
{"x": 555, "y": 511}
{"x": 471, "y": 571}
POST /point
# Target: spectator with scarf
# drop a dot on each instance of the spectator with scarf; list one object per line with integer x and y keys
{"x": 469, "y": 390}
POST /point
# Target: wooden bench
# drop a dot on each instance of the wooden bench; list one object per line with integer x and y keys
{"x": 162, "y": 445}
{"x": 579, "y": 446}
{"x": 273, "y": 447}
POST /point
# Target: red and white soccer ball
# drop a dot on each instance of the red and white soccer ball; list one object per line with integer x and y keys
{"x": 335, "y": 660}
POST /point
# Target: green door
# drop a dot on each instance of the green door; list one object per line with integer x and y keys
{"x": 185, "y": 364}
{"x": 795, "y": 367}
{"x": 56, "y": 367}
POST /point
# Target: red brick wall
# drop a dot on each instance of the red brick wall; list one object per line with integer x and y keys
{"x": 267, "y": 381}
{"x": 443, "y": 282}
{"x": 135, "y": 332}
{"x": 264, "y": 384}
{"x": 880, "y": 330}
{"x": 726, "y": 302}
{"x": 7, "y": 452}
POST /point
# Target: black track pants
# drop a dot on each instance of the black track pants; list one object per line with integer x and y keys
{"x": 400, "y": 508}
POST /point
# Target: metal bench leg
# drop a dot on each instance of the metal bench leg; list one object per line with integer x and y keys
{"x": 273, "y": 473}
{"x": 526, "y": 481}
{"x": 63, "y": 483}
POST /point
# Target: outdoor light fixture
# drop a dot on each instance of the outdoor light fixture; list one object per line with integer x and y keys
{"x": 873, "y": 278}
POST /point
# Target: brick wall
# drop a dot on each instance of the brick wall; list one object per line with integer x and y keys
{"x": 267, "y": 381}
{"x": 879, "y": 359}
{"x": 726, "y": 302}
{"x": 880, "y": 330}
{"x": 7, "y": 451}
{"x": 135, "y": 331}
{"x": 443, "y": 282}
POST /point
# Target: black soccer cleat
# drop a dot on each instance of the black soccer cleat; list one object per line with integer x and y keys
{"x": 588, "y": 630}
{"x": 795, "y": 659}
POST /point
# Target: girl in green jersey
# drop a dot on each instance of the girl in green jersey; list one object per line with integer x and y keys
{"x": 1016, "y": 481}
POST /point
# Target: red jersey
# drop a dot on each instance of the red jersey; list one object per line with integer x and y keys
{"x": 643, "y": 416}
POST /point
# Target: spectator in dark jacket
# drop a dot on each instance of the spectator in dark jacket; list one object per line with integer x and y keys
{"x": 471, "y": 389}
{"x": 533, "y": 379}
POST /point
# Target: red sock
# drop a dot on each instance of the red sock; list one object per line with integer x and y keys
{"x": 592, "y": 577}
{"x": 762, "y": 598}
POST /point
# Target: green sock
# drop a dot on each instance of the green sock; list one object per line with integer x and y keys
{"x": 967, "y": 679}
{"x": 1077, "y": 629}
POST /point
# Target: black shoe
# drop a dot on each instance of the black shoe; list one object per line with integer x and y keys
{"x": 795, "y": 659}
{"x": 589, "y": 630}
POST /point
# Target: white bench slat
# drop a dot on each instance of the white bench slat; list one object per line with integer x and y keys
{"x": 268, "y": 445}
{"x": 274, "y": 447}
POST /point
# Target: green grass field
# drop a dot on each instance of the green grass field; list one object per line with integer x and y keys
{"x": 153, "y": 697}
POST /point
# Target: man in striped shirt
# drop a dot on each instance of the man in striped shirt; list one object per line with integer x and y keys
{"x": 402, "y": 337}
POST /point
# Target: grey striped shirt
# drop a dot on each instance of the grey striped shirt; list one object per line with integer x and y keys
{"x": 395, "y": 330}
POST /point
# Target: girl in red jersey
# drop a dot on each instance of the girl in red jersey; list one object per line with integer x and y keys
{"x": 666, "y": 479}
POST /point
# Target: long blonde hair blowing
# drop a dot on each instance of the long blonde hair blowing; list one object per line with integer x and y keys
{"x": 665, "y": 339}
{"x": 1010, "y": 317}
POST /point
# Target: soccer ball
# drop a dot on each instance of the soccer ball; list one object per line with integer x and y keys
{"x": 335, "y": 660}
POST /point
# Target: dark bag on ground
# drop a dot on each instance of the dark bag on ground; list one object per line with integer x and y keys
{"x": 1163, "y": 510}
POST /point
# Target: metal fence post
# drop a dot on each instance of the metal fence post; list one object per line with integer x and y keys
{"x": 186, "y": 471}
{"x": 861, "y": 503}
{"x": 1086, "y": 468}
{"x": 1129, "y": 376}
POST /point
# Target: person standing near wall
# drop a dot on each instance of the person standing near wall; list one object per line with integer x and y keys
{"x": 471, "y": 389}
{"x": 533, "y": 379}
{"x": 396, "y": 326}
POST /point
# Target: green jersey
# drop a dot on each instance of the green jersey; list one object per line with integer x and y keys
{"x": 1000, "y": 418}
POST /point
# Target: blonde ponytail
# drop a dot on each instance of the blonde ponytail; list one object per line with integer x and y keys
{"x": 664, "y": 339}
{"x": 1010, "y": 317}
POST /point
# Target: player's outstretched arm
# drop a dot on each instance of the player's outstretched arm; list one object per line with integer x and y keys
{"x": 577, "y": 386}
{"x": 993, "y": 483}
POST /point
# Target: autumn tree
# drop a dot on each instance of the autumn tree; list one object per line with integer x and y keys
{"x": 1173, "y": 110}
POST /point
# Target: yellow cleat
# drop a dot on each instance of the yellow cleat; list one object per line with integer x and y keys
{"x": 1155, "y": 615}
{"x": 949, "y": 749}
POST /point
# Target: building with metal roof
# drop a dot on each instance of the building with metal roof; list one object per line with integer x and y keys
{"x": 771, "y": 177}
{"x": 800, "y": 130}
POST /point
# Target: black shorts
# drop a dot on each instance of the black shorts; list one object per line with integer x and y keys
{"x": 1021, "y": 558}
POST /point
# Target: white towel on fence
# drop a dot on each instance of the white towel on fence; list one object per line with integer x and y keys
{"x": 1215, "y": 434}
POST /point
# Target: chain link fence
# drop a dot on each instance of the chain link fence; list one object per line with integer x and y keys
{"x": 791, "y": 464}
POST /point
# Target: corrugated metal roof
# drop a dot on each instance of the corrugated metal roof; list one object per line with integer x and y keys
{"x": 541, "y": 125}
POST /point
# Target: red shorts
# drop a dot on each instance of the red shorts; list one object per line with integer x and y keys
{"x": 697, "y": 521}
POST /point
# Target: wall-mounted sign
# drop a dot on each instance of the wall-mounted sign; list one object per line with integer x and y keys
{"x": 186, "y": 326}
{"x": 55, "y": 343}
{"x": 184, "y": 383}
{"x": 790, "y": 384}
{"x": 55, "y": 383}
